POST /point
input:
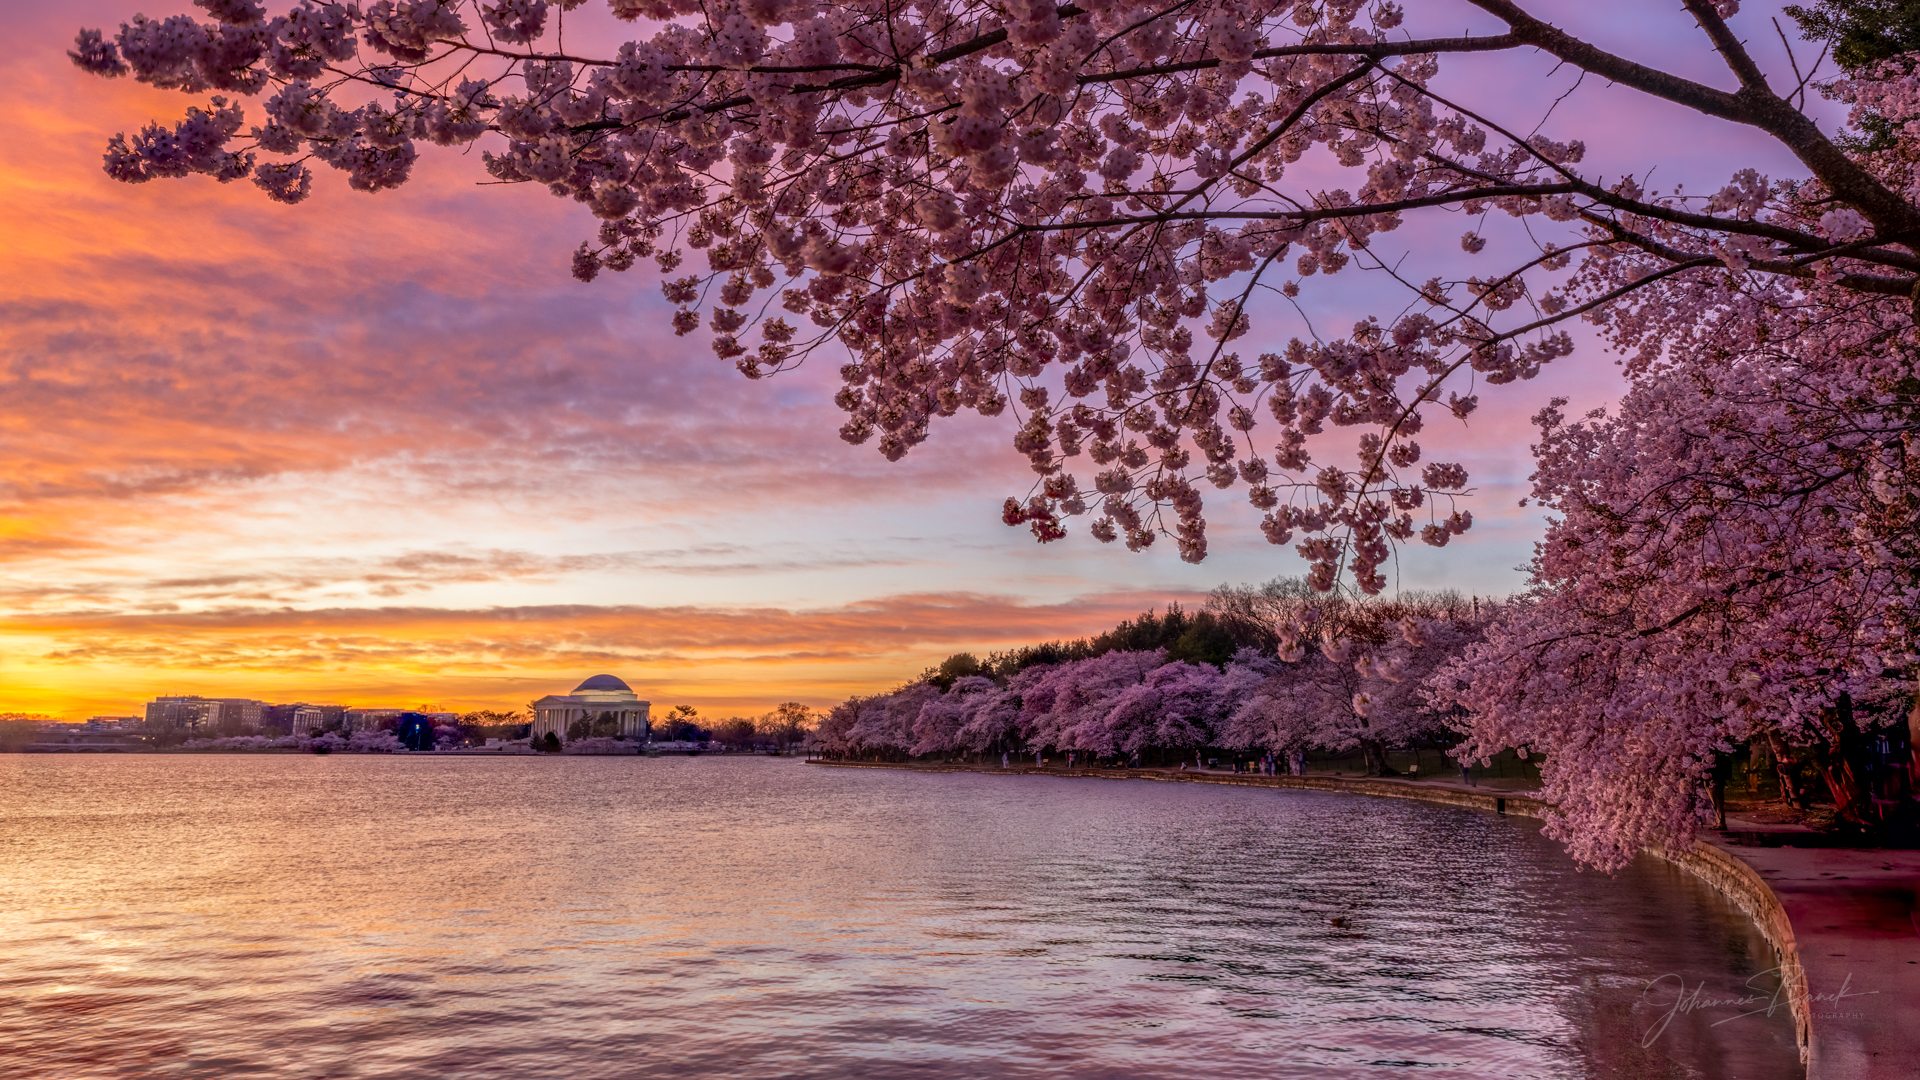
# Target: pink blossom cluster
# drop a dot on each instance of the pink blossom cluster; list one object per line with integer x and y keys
{"x": 599, "y": 745}
{"x": 1068, "y": 214}
{"x": 248, "y": 743}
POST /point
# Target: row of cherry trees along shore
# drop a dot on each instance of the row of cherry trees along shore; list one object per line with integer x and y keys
{"x": 1113, "y": 223}
{"x": 1285, "y": 669}
{"x": 1278, "y": 669}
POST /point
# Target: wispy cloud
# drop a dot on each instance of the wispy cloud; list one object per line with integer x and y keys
{"x": 299, "y": 581}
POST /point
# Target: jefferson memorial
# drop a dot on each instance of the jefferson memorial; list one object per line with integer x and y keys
{"x": 604, "y": 701}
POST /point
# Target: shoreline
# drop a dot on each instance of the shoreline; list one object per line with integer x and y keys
{"x": 1828, "y": 913}
{"x": 471, "y": 751}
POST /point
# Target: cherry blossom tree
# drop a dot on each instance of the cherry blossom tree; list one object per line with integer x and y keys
{"x": 247, "y": 743}
{"x": 831, "y": 735}
{"x": 1066, "y": 212}
{"x": 1175, "y": 707}
{"x": 1348, "y": 673}
{"x": 992, "y": 722}
{"x": 1735, "y": 551}
{"x": 936, "y": 729}
{"x": 1068, "y": 705}
{"x": 1142, "y": 704}
{"x": 883, "y": 723}
{"x": 1258, "y": 710}
{"x": 360, "y": 742}
{"x": 1734, "y": 558}
{"x": 1354, "y": 677}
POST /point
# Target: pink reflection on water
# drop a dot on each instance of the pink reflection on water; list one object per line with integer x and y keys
{"x": 296, "y": 916}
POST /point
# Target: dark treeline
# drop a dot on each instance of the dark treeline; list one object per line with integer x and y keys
{"x": 1207, "y": 636}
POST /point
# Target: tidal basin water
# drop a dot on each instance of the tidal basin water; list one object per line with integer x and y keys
{"x": 350, "y": 916}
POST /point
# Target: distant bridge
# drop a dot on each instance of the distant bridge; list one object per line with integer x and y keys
{"x": 84, "y": 742}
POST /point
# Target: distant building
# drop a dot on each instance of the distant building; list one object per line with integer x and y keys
{"x": 603, "y": 701}
{"x": 176, "y": 713}
{"x": 182, "y": 712}
{"x": 308, "y": 718}
{"x": 369, "y": 719}
{"x": 278, "y": 719}
{"x": 236, "y": 714}
{"x": 114, "y": 723}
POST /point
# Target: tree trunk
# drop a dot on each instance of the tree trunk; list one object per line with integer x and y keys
{"x": 1913, "y": 743}
{"x": 1722, "y": 773}
{"x": 1783, "y": 770}
{"x": 1375, "y": 756}
{"x": 1841, "y": 766}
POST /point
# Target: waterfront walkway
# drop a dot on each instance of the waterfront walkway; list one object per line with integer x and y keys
{"x": 1856, "y": 927}
{"x": 1846, "y": 921}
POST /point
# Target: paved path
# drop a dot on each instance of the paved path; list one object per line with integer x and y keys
{"x": 1856, "y": 925}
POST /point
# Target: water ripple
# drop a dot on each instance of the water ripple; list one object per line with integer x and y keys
{"x": 367, "y": 918}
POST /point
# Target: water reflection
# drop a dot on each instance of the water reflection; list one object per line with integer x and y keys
{"x": 353, "y": 916}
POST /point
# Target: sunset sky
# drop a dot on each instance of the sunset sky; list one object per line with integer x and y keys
{"x": 384, "y": 450}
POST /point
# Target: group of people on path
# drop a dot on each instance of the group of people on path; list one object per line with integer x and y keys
{"x": 1268, "y": 764}
{"x": 1073, "y": 759}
